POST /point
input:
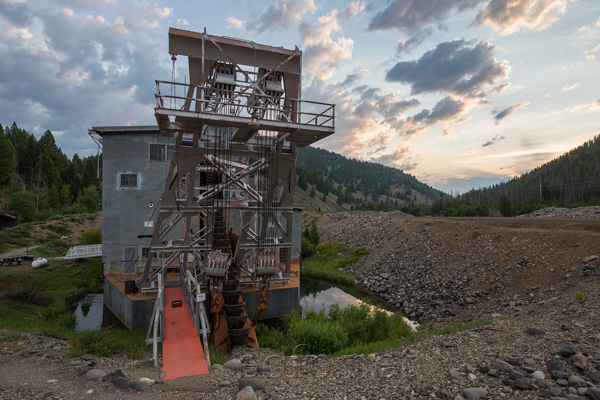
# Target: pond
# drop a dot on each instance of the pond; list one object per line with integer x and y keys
{"x": 91, "y": 313}
{"x": 317, "y": 295}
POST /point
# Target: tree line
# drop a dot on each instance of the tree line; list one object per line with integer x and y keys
{"x": 360, "y": 184}
{"x": 570, "y": 180}
{"x": 37, "y": 180}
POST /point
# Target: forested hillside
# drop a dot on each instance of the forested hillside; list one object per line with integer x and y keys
{"x": 360, "y": 184}
{"x": 37, "y": 180}
{"x": 571, "y": 180}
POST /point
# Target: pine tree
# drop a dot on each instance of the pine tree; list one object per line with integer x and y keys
{"x": 8, "y": 158}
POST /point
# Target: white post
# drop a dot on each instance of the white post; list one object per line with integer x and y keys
{"x": 157, "y": 321}
{"x": 204, "y": 337}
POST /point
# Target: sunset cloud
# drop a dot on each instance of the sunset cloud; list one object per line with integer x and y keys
{"x": 466, "y": 68}
{"x": 501, "y": 113}
{"x": 509, "y": 16}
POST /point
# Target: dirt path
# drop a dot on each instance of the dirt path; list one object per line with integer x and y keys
{"x": 18, "y": 252}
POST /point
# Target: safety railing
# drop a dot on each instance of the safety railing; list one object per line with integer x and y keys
{"x": 157, "y": 321}
{"x": 93, "y": 250}
{"x": 245, "y": 102}
{"x": 194, "y": 299}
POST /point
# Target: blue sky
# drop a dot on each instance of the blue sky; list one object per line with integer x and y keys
{"x": 461, "y": 93}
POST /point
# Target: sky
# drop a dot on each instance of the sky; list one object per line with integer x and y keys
{"x": 459, "y": 93}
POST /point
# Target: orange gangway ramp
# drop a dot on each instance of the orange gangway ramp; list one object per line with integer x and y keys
{"x": 182, "y": 348}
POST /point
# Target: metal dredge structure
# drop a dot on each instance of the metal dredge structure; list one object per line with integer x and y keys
{"x": 225, "y": 216}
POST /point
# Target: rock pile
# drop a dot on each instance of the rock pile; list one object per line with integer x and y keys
{"x": 554, "y": 212}
{"x": 437, "y": 269}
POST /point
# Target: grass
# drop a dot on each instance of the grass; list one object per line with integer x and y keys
{"x": 580, "y": 296}
{"x": 42, "y": 300}
{"x": 215, "y": 356}
{"x": 106, "y": 342}
{"x": 343, "y": 331}
{"x": 329, "y": 262}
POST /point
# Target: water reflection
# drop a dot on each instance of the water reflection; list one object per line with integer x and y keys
{"x": 316, "y": 295}
{"x": 89, "y": 312}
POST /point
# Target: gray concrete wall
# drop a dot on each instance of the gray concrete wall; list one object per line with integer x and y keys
{"x": 125, "y": 209}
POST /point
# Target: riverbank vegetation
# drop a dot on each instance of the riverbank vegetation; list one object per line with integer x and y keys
{"x": 329, "y": 262}
{"x": 43, "y": 300}
{"x": 333, "y": 333}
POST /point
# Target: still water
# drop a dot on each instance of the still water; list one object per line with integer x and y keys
{"x": 91, "y": 313}
{"x": 316, "y": 295}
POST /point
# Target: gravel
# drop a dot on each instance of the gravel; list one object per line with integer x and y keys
{"x": 526, "y": 277}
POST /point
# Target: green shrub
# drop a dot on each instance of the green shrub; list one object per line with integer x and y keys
{"x": 307, "y": 248}
{"x": 69, "y": 298}
{"x": 317, "y": 337}
{"x": 91, "y": 237}
{"x": 352, "y": 327}
{"x": 24, "y": 290}
{"x": 580, "y": 296}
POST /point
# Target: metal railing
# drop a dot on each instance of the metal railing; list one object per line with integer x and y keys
{"x": 157, "y": 321}
{"x": 244, "y": 103}
{"x": 92, "y": 250}
{"x": 194, "y": 299}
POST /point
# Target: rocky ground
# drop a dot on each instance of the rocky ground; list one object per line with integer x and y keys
{"x": 535, "y": 281}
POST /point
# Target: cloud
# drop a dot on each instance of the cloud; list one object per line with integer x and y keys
{"x": 282, "y": 15}
{"x": 501, "y": 113}
{"x": 595, "y": 105}
{"x": 79, "y": 70}
{"x": 454, "y": 67}
{"x": 509, "y": 16}
{"x": 400, "y": 158}
{"x": 448, "y": 131}
{"x": 445, "y": 110}
{"x": 16, "y": 14}
{"x": 411, "y": 15}
{"x": 354, "y": 77}
{"x": 570, "y": 87}
{"x": 182, "y": 22}
{"x": 407, "y": 44}
{"x": 493, "y": 140}
{"x": 162, "y": 12}
{"x": 234, "y": 23}
{"x": 322, "y": 52}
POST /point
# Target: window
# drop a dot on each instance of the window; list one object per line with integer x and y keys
{"x": 157, "y": 152}
{"x": 146, "y": 252}
{"x": 170, "y": 150}
{"x": 129, "y": 180}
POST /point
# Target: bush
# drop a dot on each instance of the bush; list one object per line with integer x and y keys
{"x": 23, "y": 290}
{"x": 318, "y": 337}
{"x": 307, "y": 248}
{"x": 91, "y": 237}
{"x": 343, "y": 329}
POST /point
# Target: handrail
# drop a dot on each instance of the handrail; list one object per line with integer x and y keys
{"x": 196, "y": 308}
{"x": 157, "y": 320}
{"x": 258, "y": 106}
{"x": 92, "y": 250}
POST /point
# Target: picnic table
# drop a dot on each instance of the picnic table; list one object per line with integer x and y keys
{"x": 16, "y": 259}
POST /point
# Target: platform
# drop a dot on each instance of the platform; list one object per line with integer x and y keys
{"x": 182, "y": 348}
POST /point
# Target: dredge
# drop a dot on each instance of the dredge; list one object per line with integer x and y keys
{"x": 224, "y": 228}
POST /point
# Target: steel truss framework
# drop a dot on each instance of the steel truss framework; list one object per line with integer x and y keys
{"x": 237, "y": 126}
